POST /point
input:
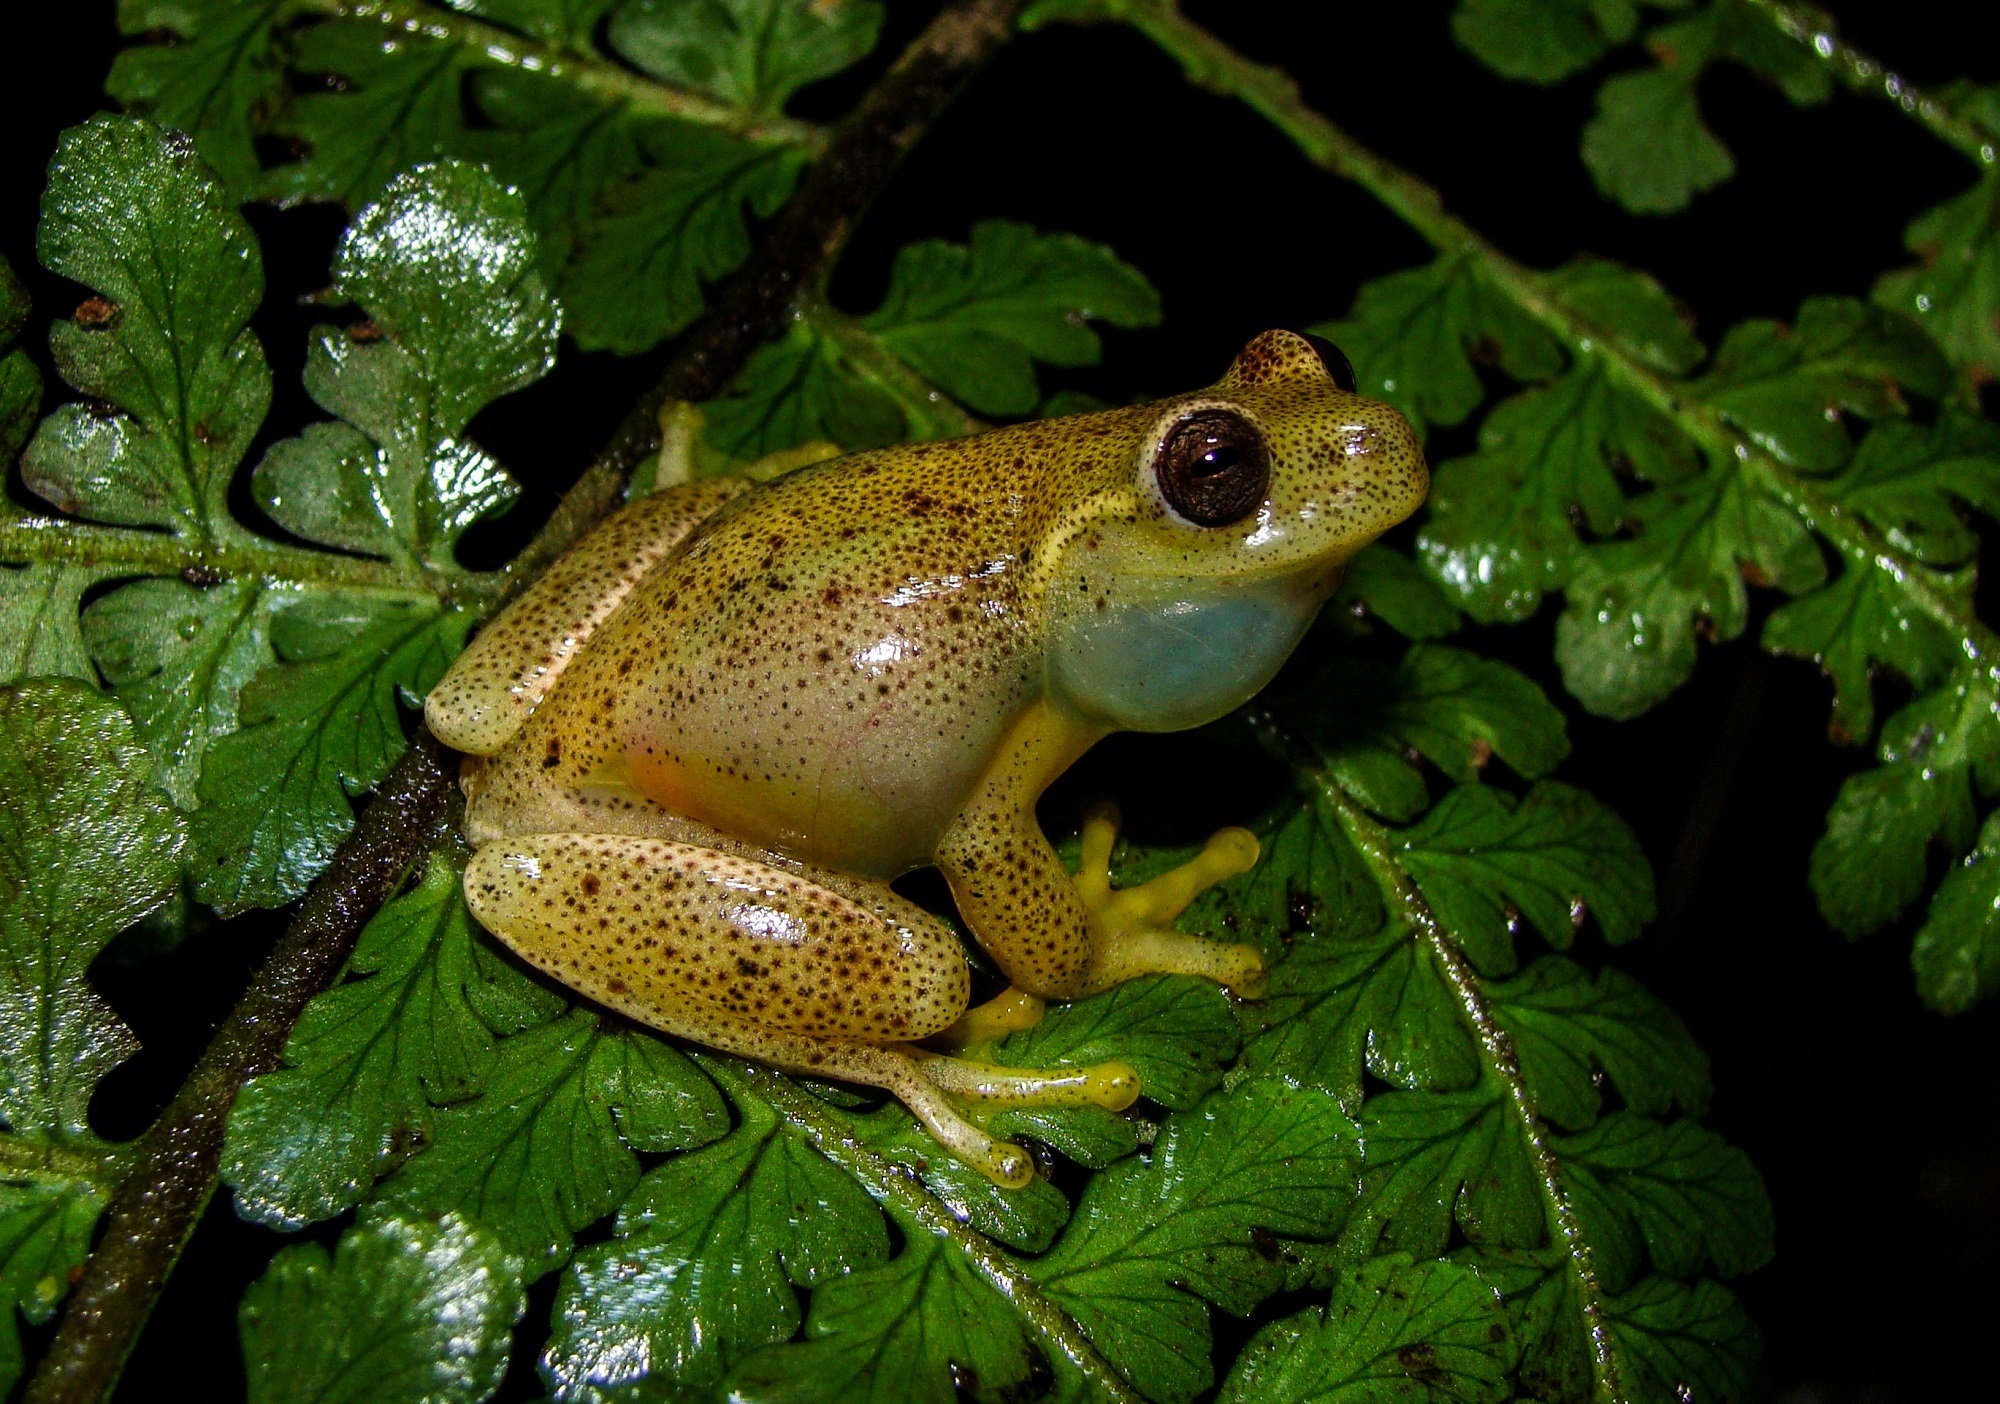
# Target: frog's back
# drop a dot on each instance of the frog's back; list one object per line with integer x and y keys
{"x": 828, "y": 667}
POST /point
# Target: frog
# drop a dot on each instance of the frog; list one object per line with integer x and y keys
{"x": 701, "y": 748}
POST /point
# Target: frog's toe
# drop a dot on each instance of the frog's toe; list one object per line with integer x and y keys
{"x": 1133, "y": 925}
{"x": 1112, "y": 1085}
{"x": 1004, "y": 1163}
{"x": 1228, "y": 853}
{"x": 1008, "y": 1012}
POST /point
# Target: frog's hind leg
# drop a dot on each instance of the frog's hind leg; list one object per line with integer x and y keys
{"x": 488, "y": 692}
{"x": 814, "y": 973}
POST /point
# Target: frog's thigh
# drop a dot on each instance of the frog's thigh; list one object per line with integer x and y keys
{"x": 488, "y": 692}
{"x": 715, "y": 947}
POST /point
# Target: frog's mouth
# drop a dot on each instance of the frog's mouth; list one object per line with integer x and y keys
{"x": 1168, "y": 653}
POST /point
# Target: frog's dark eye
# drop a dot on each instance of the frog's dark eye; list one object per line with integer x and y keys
{"x": 1338, "y": 367}
{"x": 1213, "y": 467}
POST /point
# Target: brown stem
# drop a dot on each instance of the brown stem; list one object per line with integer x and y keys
{"x": 173, "y": 1175}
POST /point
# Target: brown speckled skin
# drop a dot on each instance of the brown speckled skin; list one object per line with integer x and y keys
{"x": 717, "y": 728}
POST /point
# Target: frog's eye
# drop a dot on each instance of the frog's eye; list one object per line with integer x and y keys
{"x": 1213, "y": 467}
{"x": 1338, "y": 368}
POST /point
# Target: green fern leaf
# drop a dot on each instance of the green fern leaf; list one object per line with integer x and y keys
{"x": 563, "y": 149}
{"x": 1484, "y": 862}
{"x": 923, "y": 1328}
{"x": 551, "y": 1146}
{"x": 1676, "y": 1194}
{"x": 801, "y": 388}
{"x": 132, "y": 214}
{"x": 638, "y": 269}
{"x": 1338, "y": 1005}
{"x": 1851, "y": 627}
{"x": 20, "y": 382}
{"x": 165, "y": 343}
{"x": 1394, "y": 1329}
{"x": 1627, "y": 638}
{"x": 1542, "y": 42}
{"x": 974, "y": 319}
{"x": 1383, "y": 583}
{"x": 371, "y": 1058}
{"x": 397, "y": 106}
{"x": 1684, "y": 1338}
{"x": 1569, "y": 1028}
{"x": 1785, "y": 387}
{"x": 969, "y": 320}
{"x": 727, "y": 1233}
{"x": 564, "y": 23}
{"x": 1870, "y": 863}
{"x": 1648, "y": 147}
{"x": 1954, "y": 289}
{"x": 1178, "y": 1032}
{"x": 1150, "y": 1241}
{"x": 1412, "y": 337}
{"x": 1452, "y": 707}
{"x": 753, "y": 54}
{"x": 87, "y": 847}
{"x": 403, "y": 1311}
{"x": 1957, "y": 951}
{"x": 219, "y": 83}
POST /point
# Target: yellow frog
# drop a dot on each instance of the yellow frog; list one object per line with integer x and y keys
{"x": 703, "y": 744}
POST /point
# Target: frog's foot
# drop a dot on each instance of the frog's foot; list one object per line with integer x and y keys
{"x": 1008, "y": 1012}
{"x": 1133, "y": 926}
{"x": 991, "y": 1088}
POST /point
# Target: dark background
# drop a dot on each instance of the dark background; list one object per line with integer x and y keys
{"x": 1872, "y": 1120}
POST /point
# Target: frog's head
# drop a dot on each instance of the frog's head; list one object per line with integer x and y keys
{"x": 1192, "y": 573}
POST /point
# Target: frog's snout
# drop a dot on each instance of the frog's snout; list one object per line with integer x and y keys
{"x": 1386, "y": 476}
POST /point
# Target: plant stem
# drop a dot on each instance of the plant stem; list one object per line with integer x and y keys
{"x": 173, "y": 1174}
{"x": 1377, "y": 848}
{"x": 593, "y": 75}
{"x": 35, "y": 540}
{"x": 1814, "y": 30}
{"x": 1270, "y": 92}
{"x": 893, "y": 1184}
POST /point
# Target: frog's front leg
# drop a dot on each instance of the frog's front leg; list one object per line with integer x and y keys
{"x": 1061, "y": 937}
{"x": 811, "y": 972}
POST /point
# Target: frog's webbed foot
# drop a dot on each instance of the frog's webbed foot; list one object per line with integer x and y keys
{"x": 1132, "y": 926}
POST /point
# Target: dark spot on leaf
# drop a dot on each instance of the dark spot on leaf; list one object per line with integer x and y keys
{"x": 1419, "y": 1361}
{"x": 364, "y": 331}
{"x": 96, "y": 313}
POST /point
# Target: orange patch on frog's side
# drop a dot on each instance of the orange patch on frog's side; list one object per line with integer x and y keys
{"x": 665, "y": 782}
